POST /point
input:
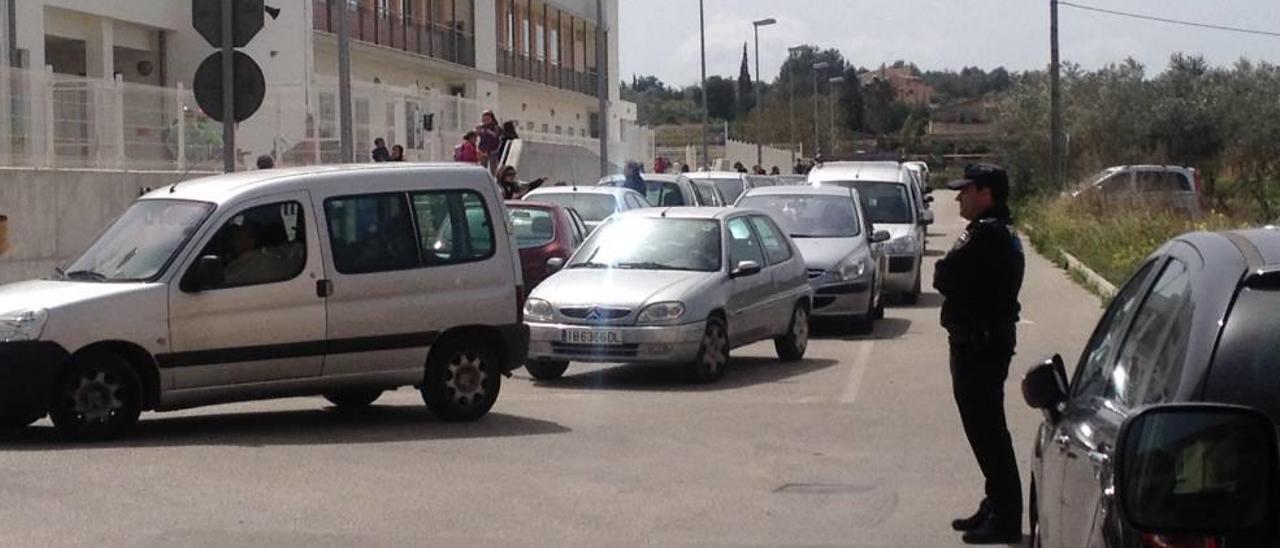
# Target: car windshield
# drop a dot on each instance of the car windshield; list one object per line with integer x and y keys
{"x": 729, "y": 188}
{"x": 140, "y": 244}
{"x": 809, "y": 216}
{"x": 534, "y": 226}
{"x": 885, "y": 202}
{"x": 647, "y": 243}
{"x": 592, "y": 207}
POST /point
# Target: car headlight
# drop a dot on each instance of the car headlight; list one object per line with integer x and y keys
{"x": 661, "y": 312}
{"x": 538, "y": 310}
{"x": 851, "y": 269}
{"x": 22, "y": 325}
{"x": 901, "y": 246}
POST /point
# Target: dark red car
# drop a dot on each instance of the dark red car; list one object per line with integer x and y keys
{"x": 545, "y": 233}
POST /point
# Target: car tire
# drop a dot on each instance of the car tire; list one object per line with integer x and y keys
{"x": 792, "y": 346}
{"x": 353, "y": 397}
{"x": 97, "y": 396}
{"x": 17, "y": 420}
{"x": 546, "y": 370}
{"x": 713, "y": 353}
{"x": 462, "y": 379}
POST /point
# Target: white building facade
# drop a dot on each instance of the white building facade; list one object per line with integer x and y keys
{"x": 107, "y": 83}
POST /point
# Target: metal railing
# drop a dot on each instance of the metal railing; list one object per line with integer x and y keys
{"x": 387, "y": 28}
{"x": 522, "y": 66}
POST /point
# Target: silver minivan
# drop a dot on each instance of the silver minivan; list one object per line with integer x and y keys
{"x": 893, "y": 203}
{"x": 341, "y": 281}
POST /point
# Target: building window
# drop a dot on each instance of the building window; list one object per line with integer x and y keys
{"x": 542, "y": 43}
{"x": 559, "y": 130}
{"x": 555, "y": 51}
{"x": 525, "y": 44}
{"x": 546, "y": 128}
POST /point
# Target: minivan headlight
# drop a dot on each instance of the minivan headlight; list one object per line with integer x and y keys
{"x": 22, "y": 325}
{"x": 538, "y": 310}
{"x": 851, "y": 269}
{"x": 661, "y": 312}
{"x": 904, "y": 245}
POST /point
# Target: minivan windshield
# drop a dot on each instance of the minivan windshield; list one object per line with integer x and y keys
{"x": 645, "y": 243}
{"x": 807, "y": 215}
{"x": 885, "y": 202}
{"x": 140, "y": 244}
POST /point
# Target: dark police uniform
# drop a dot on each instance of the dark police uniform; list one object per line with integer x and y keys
{"x": 980, "y": 279}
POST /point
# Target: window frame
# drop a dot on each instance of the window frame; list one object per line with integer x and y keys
{"x": 302, "y": 265}
{"x": 1141, "y": 283}
{"x": 751, "y": 230}
{"x": 782, "y": 238}
{"x": 1138, "y": 398}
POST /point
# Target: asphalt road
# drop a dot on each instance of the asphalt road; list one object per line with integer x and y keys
{"x": 858, "y": 445}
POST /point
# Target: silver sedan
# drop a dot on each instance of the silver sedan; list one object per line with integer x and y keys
{"x": 672, "y": 285}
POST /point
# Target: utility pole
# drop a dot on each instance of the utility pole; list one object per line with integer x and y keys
{"x": 228, "y": 89}
{"x": 344, "y": 84}
{"x": 1057, "y": 162}
{"x": 759, "y": 142}
{"x": 831, "y": 99}
{"x": 817, "y": 137}
{"x": 602, "y": 72}
{"x": 791, "y": 86}
{"x": 702, "y": 26}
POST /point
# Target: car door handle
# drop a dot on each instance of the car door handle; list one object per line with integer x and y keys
{"x": 324, "y": 288}
{"x": 1099, "y": 459}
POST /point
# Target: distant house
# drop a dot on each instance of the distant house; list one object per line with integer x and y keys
{"x": 965, "y": 118}
{"x": 908, "y": 87}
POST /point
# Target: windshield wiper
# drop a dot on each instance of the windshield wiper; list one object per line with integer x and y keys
{"x": 649, "y": 265}
{"x": 86, "y": 274}
{"x": 588, "y": 264}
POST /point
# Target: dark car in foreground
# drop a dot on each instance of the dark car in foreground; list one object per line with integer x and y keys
{"x": 1198, "y": 323}
{"x": 547, "y": 235}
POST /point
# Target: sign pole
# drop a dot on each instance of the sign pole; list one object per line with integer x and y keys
{"x": 228, "y": 90}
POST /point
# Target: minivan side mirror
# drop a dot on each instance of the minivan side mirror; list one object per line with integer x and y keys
{"x": 926, "y": 218}
{"x": 745, "y": 268}
{"x": 880, "y": 236}
{"x": 1045, "y": 387}
{"x": 554, "y": 264}
{"x": 1197, "y": 469}
{"x": 207, "y": 273}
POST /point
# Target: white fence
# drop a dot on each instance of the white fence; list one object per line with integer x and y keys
{"x": 60, "y": 121}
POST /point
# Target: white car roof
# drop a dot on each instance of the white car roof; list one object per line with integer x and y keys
{"x": 889, "y": 172}
{"x": 796, "y": 190}
{"x": 686, "y": 212}
{"x": 610, "y": 190}
{"x": 714, "y": 175}
{"x": 224, "y": 188}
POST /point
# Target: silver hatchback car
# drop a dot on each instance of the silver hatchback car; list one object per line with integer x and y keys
{"x": 672, "y": 285}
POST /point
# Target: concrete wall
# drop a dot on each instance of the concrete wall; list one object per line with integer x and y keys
{"x": 54, "y": 214}
{"x": 738, "y": 151}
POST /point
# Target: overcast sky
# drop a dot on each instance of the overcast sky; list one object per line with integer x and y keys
{"x": 660, "y": 37}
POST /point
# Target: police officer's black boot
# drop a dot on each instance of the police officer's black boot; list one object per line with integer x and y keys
{"x": 975, "y": 521}
{"x": 996, "y": 529}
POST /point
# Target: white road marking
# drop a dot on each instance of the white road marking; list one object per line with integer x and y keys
{"x": 860, "y": 363}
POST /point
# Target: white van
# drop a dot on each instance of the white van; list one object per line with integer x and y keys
{"x": 341, "y": 281}
{"x": 893, "y": 202}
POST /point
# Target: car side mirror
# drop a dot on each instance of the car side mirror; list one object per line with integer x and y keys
{"x": 880, "y": 236}
{"x": 554, "y": 264}
{"x": 1197, "y": 469}
{"x": 208, "y": 273}
{"x": 926, "y": 218}
{"x": 1045, "y": 387}
{"x": 745, "y": 268}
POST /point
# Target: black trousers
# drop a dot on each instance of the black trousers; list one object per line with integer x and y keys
{"x": 979, "y": 367}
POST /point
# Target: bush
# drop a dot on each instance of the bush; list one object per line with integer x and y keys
{"x": 1113, "y": 242}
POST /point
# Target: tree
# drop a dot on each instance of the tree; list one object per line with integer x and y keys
{"x": 852, "y": 113}
{"x": 720, "y": 98}
{"x": 879, "y": 104}
{"x": 746, "y": 101}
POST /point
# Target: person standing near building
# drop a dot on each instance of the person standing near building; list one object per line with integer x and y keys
{"x": 397, "y": 153}
{"x": 466, "y": 151}
{"x": 509, "y": 137}
{"x": 633, "y": 180}
{"x": 979, "y": 280}
{"x": 380, "y": 152}
{"x": 490, "y": 134}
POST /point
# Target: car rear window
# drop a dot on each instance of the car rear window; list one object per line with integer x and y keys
{"x": 535, "y": 227}
{"x": 592, "y": 207}
{"x": 1246, "y": 367}
{"x": 729, "y": 188}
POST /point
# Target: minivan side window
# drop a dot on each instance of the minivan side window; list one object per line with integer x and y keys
{"x": 1096, "y": 361}
{"x": 453, "y": 226}
{"x": 371, "y": 233}
{"x": 260, "y": 245}
{"x": 1152, "y": 355}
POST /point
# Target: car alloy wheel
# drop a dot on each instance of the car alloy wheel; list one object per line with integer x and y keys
{"x": 97, "y": 397}
{"x": 713, "y": 354}
{"x": 462, "y": 379}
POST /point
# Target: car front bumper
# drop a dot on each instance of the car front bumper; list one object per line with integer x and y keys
{"x": 841, "y": 299}
{"x": 674, "y": 344}
{"x": 903, "y": 270}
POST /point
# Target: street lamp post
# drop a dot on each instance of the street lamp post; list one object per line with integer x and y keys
{"x": 832, "y": 100}
{"x": 791, "y": 86}
{"x": 817, "y": 137}
{"x": 702, "y": 26}
{"x": 759, "y": 142}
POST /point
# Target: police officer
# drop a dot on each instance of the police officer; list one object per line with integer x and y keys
{"x": 980, "y": 279}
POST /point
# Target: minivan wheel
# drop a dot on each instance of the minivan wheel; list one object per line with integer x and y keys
{"x": 353, "y": 397}
{"x": 546, "y": 370}
{"x": 462, "y": 380}
{"x": 713, "y": 353}
{"x": 792, "y": 345}
{"x": 97, "y": 396}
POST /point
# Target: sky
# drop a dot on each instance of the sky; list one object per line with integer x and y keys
{"x": 660, "y": 37}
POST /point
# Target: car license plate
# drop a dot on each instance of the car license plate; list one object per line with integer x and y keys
{"x": 591, "y": 336}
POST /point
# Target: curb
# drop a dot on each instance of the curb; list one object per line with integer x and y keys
{"x": 1104, "y": 287}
